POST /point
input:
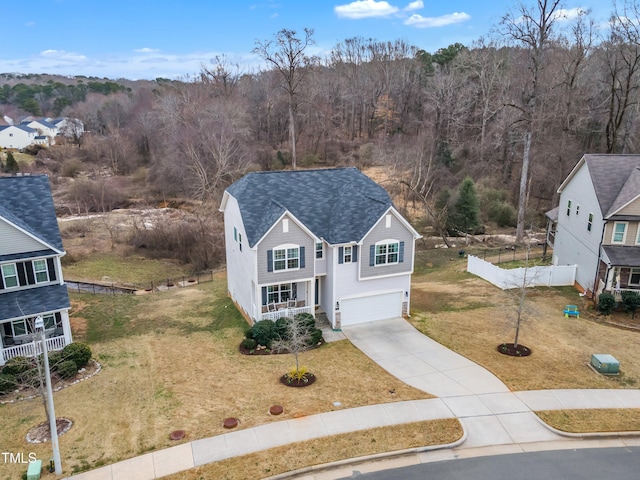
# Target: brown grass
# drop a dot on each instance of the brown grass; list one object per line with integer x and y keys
{"x": 585, "y": 421}
{"x": 327, "y": 449}
{"x": 167, "y": 366}
{"x": 472, "y": 317}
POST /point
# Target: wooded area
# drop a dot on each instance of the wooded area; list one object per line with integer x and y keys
{"x": 536, "y": 94}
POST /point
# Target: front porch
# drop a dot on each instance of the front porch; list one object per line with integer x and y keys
{"x": 31, "y": 348}
{"x": 286, "y": 300}
{"x": 285, "y": 310}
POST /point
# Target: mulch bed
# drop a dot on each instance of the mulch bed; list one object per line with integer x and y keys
{"x": 42, "y": 433}
{"x": 266, "y": 351}
{"x": 513, "y": 351}
{"x": 311, "y": 378}
{"x": 57, "y": 383}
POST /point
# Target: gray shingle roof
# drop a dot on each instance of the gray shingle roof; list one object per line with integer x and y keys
{"x": 26, "y": 202}
{"x": 33, "y": 301}
{"x": 622, "y": 256}
{"x": 614, "y": 179}
{"x": 339, "y": 205}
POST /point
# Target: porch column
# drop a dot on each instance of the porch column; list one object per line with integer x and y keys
{"x": 66, "y": 327}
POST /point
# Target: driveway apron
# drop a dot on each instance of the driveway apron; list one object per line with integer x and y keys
{"x": 489, "y": 411}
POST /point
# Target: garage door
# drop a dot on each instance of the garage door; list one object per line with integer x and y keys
{"x": 370, "y": 308}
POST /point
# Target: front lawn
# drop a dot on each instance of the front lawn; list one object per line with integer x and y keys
{"x": 171, "y": 361}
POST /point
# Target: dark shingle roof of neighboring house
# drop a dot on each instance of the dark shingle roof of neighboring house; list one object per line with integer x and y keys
{"x": 339, "y": 205}
{"x": 622, "y": 256}
{"x": 616, "y": 180}
{"x": 27, "y": 203}
{"x": 33, "y": 301}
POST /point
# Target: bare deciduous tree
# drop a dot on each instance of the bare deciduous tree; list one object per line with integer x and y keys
{"x": 286, "y": 54}
{"x": 532, "y": 28}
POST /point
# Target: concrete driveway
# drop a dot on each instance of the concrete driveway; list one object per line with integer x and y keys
{"x": 489, "y": 411}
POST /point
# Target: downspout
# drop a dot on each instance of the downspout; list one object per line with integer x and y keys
{"x": 606, "y": 277}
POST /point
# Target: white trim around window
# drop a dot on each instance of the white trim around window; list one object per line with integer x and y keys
{"x": 286, "y": 257}
{"x": 619, "y": 233}
{"x": 319, "y": 250}
{"x": 10, "y": 276}
{"x": 634, "y": 277}
{"x": 387, "y": 252}
{"x": 347, "y": 254}
{"x": 40, "y": 271}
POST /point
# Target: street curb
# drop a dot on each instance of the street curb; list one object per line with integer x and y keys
{"x": 587, "y": 436}
{"x": 370, "y": 458}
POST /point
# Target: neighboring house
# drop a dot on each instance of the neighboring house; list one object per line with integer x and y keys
{"x": 31, "y": 282}
{"x": 44, "y": 128}
{"x": 17, "y": 137}
{"x": 329, "y": 239}
{"x": 598, "y": 223}
{"x": 71, "y": 128}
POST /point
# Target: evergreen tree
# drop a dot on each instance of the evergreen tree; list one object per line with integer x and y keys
{"x": 466, "y": 211}
{"x": 11, "y": 164}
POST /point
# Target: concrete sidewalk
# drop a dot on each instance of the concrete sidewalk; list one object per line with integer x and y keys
{"x": 494, "y": 419}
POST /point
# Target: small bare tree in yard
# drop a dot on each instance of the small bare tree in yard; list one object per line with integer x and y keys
{"x": 296, "y": 335}
{"x": 521, "y": 285}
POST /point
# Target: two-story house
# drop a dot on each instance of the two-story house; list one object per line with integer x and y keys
{"x": 17, "y": 137}
{"x": 598, "y": 222}
{"x": 31, "y": 282}
{"x": 327, "y": 239}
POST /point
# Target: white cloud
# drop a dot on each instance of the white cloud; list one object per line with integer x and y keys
{"x": 417, "y": 5}
{"x": 365, "y": 9}
{"x": 564, "y": 14}
{"x": 146, "y": 50}
{"x": 63, "y": 55}
{"x": 419, "y": 21}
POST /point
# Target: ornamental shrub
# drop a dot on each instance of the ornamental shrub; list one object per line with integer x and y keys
{"x": 8, "y": 382}
{"x": 264, "y": 332}
{"x": 631, "y": 301}
{"x": 17, "y": 366}
{"x": 67, "y": 369}
{"x": 249, "y": 344}
{"x": 282, "y": 327}
{"x": 606, "y": 302}
{"x": 78, "y": 352}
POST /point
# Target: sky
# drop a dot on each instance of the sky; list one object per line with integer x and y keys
{"x": 143, "y": 39}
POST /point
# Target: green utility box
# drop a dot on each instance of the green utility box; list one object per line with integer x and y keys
{"x": 33, "y": 472}
{"x": 605, "y": 363}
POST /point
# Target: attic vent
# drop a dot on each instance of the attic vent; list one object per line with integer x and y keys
{"x": 387, "y": 221}
{"x": 285, "y": 225}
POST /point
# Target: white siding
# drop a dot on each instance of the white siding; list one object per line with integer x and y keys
{"x": 14, "y": 137}
{"x": 15, "y": 241}
{"x": 241, "y": 267}
{"x": 574, "y": 244}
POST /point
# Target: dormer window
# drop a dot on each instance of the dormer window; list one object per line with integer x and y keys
{"x": 10, "y": 275}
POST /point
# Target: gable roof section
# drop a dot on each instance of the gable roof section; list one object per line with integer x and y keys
{"x": 615, "y": 178}
{"x": 19, "y": 127}
{"x": 26, "y": 202}
{"x": 339, "y": 205}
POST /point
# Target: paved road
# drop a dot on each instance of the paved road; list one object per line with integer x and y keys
{"x": 596, "y": 464}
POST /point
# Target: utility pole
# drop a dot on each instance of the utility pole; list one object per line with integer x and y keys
{"x": 52, "y": 414}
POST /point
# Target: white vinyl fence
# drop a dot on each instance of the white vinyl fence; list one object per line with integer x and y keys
{"x": 551, "y": 276}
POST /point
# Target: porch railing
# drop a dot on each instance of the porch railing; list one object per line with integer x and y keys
{"x": 617, "y": 292}
{"x": 32, "y": 349}
{"x": 286, "y": 312}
